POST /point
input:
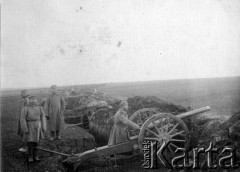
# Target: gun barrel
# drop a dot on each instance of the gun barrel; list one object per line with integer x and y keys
{"x": 194, "y": 112}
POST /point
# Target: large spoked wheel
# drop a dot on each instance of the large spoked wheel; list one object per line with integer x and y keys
{"x": 165, "y": 127}
{"x": 140, "y": 116}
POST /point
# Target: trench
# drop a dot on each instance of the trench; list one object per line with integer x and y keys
{"x": 100, "y": 134}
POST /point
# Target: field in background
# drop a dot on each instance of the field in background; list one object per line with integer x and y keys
{"x": 222, "y": 94}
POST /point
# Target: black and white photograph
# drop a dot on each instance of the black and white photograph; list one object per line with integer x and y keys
{"x": 120, "y": 85}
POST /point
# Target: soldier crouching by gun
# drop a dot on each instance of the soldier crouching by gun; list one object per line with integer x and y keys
{"x": 33, "y": 124}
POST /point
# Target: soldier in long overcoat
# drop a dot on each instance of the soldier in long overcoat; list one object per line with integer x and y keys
{"x": 23, "y": 102}
{"x": 119, "y": 132}
{"x": 54, "y": 108}
{"x": 33, "y": 124}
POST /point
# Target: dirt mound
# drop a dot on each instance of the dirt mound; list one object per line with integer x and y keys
{"x": 232, "y": 126}
{"x": 88, "y": 103}
{"x": 138, "y": 102}
{"x": 88, "y": 99}
{"x": 206, "y": 128}
{"x": 219, "y": 130}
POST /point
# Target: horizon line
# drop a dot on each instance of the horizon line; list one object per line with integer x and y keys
{"x": 101, "y": 83}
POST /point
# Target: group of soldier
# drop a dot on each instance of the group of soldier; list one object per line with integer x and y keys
{"x": 35, "y": 119}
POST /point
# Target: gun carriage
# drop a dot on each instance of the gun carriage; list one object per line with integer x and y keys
{"x": 154, "y": 125}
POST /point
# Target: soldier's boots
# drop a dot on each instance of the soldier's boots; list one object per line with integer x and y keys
{"x": 52, "y": 136}
{"x": 35, "y": 156}
{"x": 30, "y": 160}
{"x": 30, "y": 155}
{"x": 58, "y": 135}
{"x": 32, "y": 152}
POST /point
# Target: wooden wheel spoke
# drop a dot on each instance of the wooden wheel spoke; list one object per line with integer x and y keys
{"x": 178, "y": 140}
{"x": 179, "y": 133}
{"x": 167, "y": 124}
{"x": 161, "y": 125}
{"x": 163, "y": 128}
{"x": 151, "y": 138}
{"x": 182, "y": 134}
{"x": 152, "y": 132}
{"x": 155, "y": 126}
{"x": 174, "y": 127}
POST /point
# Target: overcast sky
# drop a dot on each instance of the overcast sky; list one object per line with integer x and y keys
{"x": 99, "y": 41}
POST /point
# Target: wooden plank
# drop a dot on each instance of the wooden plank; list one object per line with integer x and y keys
{"x": 46, "y": 150}
{"x": 104, "y": 151}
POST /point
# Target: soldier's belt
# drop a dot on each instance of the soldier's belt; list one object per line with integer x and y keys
{"x": 33, "y": 120}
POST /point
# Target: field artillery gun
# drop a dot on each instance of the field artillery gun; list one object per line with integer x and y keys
{"x": 154, "y": 125}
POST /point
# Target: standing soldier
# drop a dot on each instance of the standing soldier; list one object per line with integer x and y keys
{"x": 33, "y": 124}
{"x": 119, "y": 132}
{"x": 23, "y": 102}
{"x": 54, "y": 108}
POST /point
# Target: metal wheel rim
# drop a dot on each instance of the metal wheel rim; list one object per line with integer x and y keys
{"x": 170, "y": 130}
